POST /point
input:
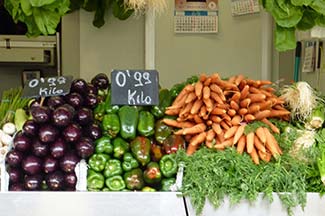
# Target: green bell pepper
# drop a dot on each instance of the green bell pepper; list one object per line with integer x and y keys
{"x": 99, "y": 111}
{"x": 134, "y": 179}
{"x": 176, "y": 89}
{"x": 129, "y": 117}
{"x": 168, "y": 165}
{"x": 140, "y": 148}
{"x": 111, "y": 125}
{"x": 148, "y": 189}
{"x": 167, "y": 183}
{"x": 113, "y": 167}
{"x": 146, "y": 124}
{"x": 173, "y": 143}
{"x": 115, "y": 183}
{"x": 129, "y": 162}
{"x": 109, "y": 108}
{"x": 162, "y": 131}
{"x": 103, "y": 145}
{"x": 152, "y": 174}
{"x": 98, "y": 161}
{"x": 165, "y": 100}
{"x": 95, "y": 180}
{"x": 120, "y": 146}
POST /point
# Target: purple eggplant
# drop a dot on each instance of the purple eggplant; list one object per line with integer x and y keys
{"x": 79, "y": 86}
{"x": 58, "y": 148}
{"x": 91, "y": 89}
{"x": 32, "y": 165}
{"x": 72, "y": 133}
{"x": 48, "y": 133}
{"x": 100, "y": 81}
{"x": 75, "y": 100}
{"x": 14, "y": 158}
{"x": 91, "y": 101}
{"x": 15, "y": 175}
{"x": 84, "y": 116}
{"x": 33, "y": 182}
{"x": 30, "y": 128}
{"x": 16, "y": 187}
{"x": 55, "y": 180}
{"x": 41, "y": 114}
{"x": 50, "y": 164}
{"x": 22, "y": 142}
{"x": 68, "y": 162}
{"x": 93, "y": 131}
{"x": 39, "y": 148}
{"x": 54, "y": 102}
{"x": 62, "y": 116}
{"x": 84, "y": 147}
{"x": 70, "y": 180}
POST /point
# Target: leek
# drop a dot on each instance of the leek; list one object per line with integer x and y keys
{"x": 321, "y": 162}
{"x": 316, "y": 118}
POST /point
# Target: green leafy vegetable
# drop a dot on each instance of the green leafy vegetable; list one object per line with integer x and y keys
{"x": 318, "y": 6}
{"x": 301, "y": 2}
{"x": 285, "y": 38}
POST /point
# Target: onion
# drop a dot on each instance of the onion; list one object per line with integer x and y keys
{"x": 7, "y": 140}
{"x": 9, "y": 128}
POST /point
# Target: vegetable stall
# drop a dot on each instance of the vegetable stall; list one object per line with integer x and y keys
{"x": 232, "y": 138}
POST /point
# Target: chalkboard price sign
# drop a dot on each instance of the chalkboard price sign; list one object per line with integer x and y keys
{"x": 134, "y": 87}
{"x": 47, "y": 86}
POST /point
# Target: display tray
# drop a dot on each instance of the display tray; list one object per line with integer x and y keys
{"x": 92, "y": 203}
{"x": 262, "y": 207}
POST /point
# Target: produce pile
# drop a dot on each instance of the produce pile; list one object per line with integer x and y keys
{"x": 216, "y": 112}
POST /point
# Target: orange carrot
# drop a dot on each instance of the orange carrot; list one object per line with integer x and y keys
{"x": 242, "y": 84}
{"x": 245, "y": 103}
{"x": 230, "y": 132}
{"x": 219, "y": 146}
{"x": 226, "y": 117}
{"x": 197, "y": 119}
{"x": 224, "y": 125}
{"x": 228, "y": 142}
{"x": 223, "y": 106}
{"x": 216, "y": 128}
{"x": 258, "y": 144}
{"x": 254, "y": 90}
{"x": 269, "y": 89}
{"x": 203, "y": 111}
{"x": 262, "y": 114}
{"x": 190, "y": 97}
{"x": 177, "y": 124}
{"x": 220, "y": 136}
{"x": 241, "y": 144}
{"x": 265, "y": 156}
{"x": 196, "y": 106}
{"x": 265, "y": 82}
{"x": 172, "y": 111}
{"x": 239, "y": 133}
{"x": 231, "y": 112}
{"x": 209, "y": 144}
{"x": 256, "y": 97}
{"x": 271, "y": 143}
{"x": 207, "y": 82}
{"x": 215, "y": 77}
{"x": 192, "y": 130}
{"x": 234, "y": 105}
{"x": 254, "y": 156}
{"x": 215, "y": 118}
{"x": 216, "y": 97}
{"x": 209, "y": 122}
{"x": 236, "y": 120}
{"x": 271, "y": 125}
{"x": 206, "y": 92}
{"x": 218, "y": 111}
{"x": 242, "y": 111}
{"x": 278, "y": 113}
{"x": 210, "y": 135}
{"x": 244, "y": 92}
{"x": 235, "y": 97}
{"x": 264, "y": 105}
{"x": 249, "y": 117}
{"x": 178, "y": 103}
{"x": 239, "y": 78}
{"x": 198, "y": 86}
{"x": 260, "y": 133}
{"x": 203, "y": 77}
{"x": 250, "y": 142}
{"x": 195, "y": 142}
{"x": 253, "y": 108}
{"x": 209, "y": 104}
{"x": 232, "y": 79}
{"x": 186, "y": 110}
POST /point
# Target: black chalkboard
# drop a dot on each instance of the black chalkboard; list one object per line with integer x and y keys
{"x": 134, "y": 87}
{"x": 47, "y": 86}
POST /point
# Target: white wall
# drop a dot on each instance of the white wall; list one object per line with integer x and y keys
{"x": 235, "y": 49}
{"x": 116, "y": 45}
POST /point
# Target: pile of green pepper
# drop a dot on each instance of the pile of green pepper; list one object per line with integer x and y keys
{"x": 137, "y": 150}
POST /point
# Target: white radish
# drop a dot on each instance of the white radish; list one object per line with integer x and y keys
{"x": 9, "y": 128}
{"x": 7, "y": 140}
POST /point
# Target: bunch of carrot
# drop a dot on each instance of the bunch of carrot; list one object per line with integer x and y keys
{"x": 216, "y": 111}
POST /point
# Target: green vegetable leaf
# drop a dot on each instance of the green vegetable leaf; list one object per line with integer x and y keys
{"x": 46, "y": 20}
{"x": 26, "y": 7}
{"x": 40, "y": 3}
{"x": 308, "y": 20}
{"x": 301, "y": 2}
{"x": 99, "y": 19}
{"x": 120, "y": 11}
{"x": 90, "y": 5}
{"x": 319, "y": 6}
{"x": 285, "y": 14}
{"x": 59, "y": 6}
{"x": 285, "y": 38}
{"x": 13, "y": 7}
{"x": 320, "y": 20}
